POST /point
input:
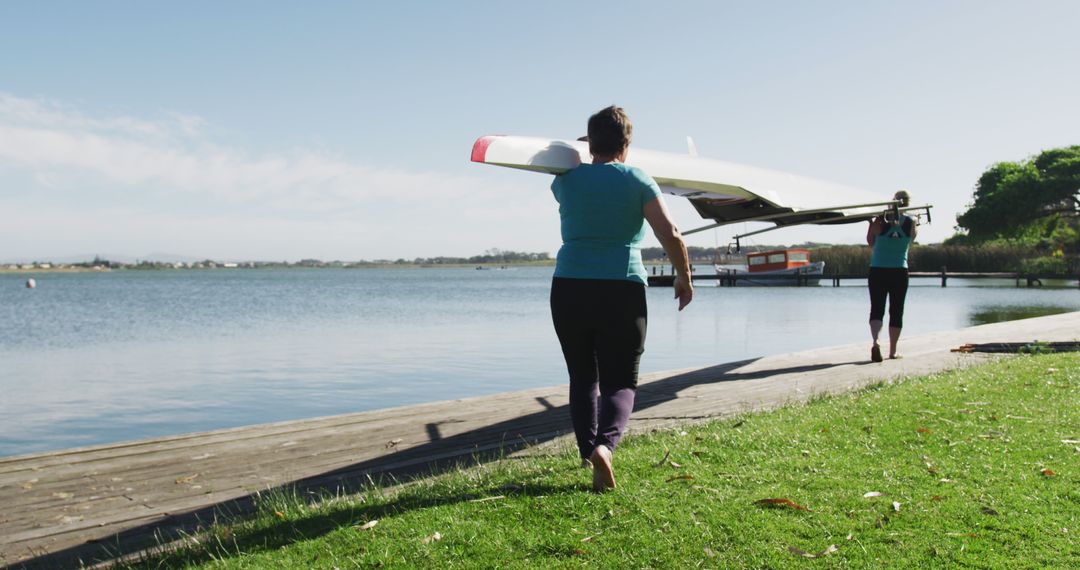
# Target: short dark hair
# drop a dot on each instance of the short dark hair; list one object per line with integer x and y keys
{"x": 609, "y": 131}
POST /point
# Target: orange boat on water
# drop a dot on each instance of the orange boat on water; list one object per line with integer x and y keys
{"x": 776, "y": 267}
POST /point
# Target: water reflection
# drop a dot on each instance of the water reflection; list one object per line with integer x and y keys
{"x": 97, "y": 358}
{"x": 1000, "y": 313}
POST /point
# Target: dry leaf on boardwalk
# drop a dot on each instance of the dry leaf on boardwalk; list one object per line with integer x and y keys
{"x": 368, "y": 525}
{"x": 433, "y": 538}
{"x": 780, "y": 502}
{"x": 870, "y": 494}
{"x": 188, "y": 479}
{"x": 796, "y": 550}
{"x": 393, "y": 443}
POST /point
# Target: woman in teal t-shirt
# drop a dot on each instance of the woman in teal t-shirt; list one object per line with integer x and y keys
{"x": 888, "y": 279}
{"x": 598, "y": 291}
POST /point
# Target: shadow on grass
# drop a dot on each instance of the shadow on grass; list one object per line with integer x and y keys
{"x": 439, "y": 455}
{"x": 335, "y": 517}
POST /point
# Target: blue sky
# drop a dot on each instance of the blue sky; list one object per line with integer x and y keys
{"x": 341, "y": 130}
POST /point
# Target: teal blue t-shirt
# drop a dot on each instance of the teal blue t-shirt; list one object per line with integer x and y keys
{"x": 891, "y": 247}
{"x": 600, "y": 206}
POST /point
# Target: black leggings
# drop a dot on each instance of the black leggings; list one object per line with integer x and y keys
{"x": 893, "y": 284}
{"x": 601, "y": 326}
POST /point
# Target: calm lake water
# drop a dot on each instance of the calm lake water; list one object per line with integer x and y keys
{"x": 90, "y": 358}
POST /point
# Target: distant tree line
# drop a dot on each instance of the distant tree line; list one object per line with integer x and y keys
{"x": 493, "y": 255}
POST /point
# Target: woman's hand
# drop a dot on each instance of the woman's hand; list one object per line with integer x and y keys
{"x": 684, "y": 291}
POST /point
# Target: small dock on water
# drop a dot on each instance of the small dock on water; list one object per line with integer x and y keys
{"x": 81, "y": 506}
{"x": 665, "y": 278}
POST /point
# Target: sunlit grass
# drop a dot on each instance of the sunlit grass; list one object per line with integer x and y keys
{"x": 973, "y": 468}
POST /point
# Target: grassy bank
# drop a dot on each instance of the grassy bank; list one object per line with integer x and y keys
{"x": 972, "y": 468}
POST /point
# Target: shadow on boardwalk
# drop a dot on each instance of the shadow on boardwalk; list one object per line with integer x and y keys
{"x": 439, "y": 455}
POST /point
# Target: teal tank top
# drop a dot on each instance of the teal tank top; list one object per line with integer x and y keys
{"x": 891, "y": 246}
{"x": 600, "y": 209}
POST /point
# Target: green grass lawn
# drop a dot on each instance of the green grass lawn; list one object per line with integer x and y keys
{"x": 977, "y": 468}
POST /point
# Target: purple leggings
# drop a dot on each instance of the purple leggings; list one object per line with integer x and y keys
{"x": 601, "y": 327}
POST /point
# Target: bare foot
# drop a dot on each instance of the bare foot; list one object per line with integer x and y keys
{"x": 603, "y": 475}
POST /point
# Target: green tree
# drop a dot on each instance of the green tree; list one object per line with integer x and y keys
{"x": 1035, "y": 201}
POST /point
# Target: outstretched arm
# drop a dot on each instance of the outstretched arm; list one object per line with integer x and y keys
{"x": 657, "y": 215}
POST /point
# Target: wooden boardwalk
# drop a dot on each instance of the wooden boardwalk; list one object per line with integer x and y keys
{"x": 89, "y": 503}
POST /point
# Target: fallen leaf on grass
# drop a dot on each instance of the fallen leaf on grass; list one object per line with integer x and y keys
{"x": 188, "y": 479}
{"x": 850, "y": 536}
{"x": 1048, "y": 472}
{"x": 967, "y": 534}
{"x": 990, "y": 511}
{"x": 433, "y": 538}
{"x": 676, "y": 465}
{"x": 937, "y": 498}
{"x": 697, "y": 453}
{"x": 896, "y": 506}
{"x": 870, "y": 494}
{"x": 664, "y": 460}
{"x": 796, "y": 550}
{"x": 780, "y": 502}
{"x": 279, "y": 514}
{"x": 679, "y": 478}
{"x": 739, "y": 423}
{"x": 579, "y": 552}
{"x": 368, "y": 525}
{"x": 1070, "y": 441}
{"x": 486, "y": 499}
{"x": 589, "y": 538}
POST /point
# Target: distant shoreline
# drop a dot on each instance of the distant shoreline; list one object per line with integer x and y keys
{"x": 257, "y": 266}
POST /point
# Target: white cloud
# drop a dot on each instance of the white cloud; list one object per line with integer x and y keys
{"x": 171, "y": 155}
{"x": 132, "y": 186}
